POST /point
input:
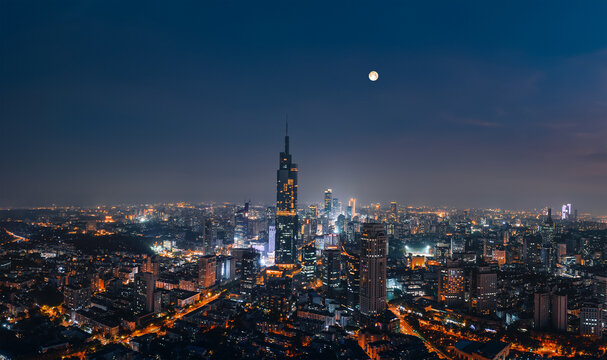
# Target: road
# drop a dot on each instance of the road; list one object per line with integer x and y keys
{"x": 17, "y": 237}
{"x": 170, "y": 320}
{"x": 406, "y": 329}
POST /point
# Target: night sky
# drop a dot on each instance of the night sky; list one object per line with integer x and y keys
{"x": 477, "y": 104}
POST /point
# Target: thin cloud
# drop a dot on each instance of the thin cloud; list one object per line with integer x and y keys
{"x": 471, "y": 121}
{"x": 596, "y": 157}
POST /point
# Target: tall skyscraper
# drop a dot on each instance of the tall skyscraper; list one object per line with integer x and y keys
{"x": 207, "y": 237}
{"x": 331, "y": 274}
{"x": 145, "y": 284}
{"x": 559, "y": 312}
{"x": 352, "y": 206}
{"x": 286, "y": 208}
{"x": 352, "y": 264}
{"x": 541, "y": 310}
{"x": 373, "y": 269}
{"x": 328, "y": 202}
{"x": 565, "y": 211}
{"x": 393, "y": 215}
{"x": 241, "y": 228}
{"x": 484, "y": 290}
{"x": 309, "y": 260}
{"x": 547, "y": 229}
{"x": 248, "y": 271}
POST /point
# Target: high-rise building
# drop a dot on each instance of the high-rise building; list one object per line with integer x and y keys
{"x": 336, "y": 208}
{"x": 485, "y": 290}
{"x": 249, "y": 267}
{"x": 600, "y": 288}
{"x": 458, "y": 245}
{"x": 207, "y": 268}
{"x": 277, "y": 297}
{"x": 225, "y": 269}
{"x": 547, "y": 229}
{"x": 451, "y": 284}
{"x": 271, "y": 253}
{"x": 207, "y": 237}
{"x": 148, "y": 298}
{"x": 76, "y": 296}
{"x": 328, "y": 202}
{"x": 565, "y": 211}
{"x": 241, "y": 227}
{"x": 393, "y": 211}
{"x": 541, "y": 310}
{"x": 309, "y": 260}
{"x": 352, "y": 277}
{"x": 559, "y": 312}
{"x": 352, "y": 206}
{"x": 591, "y": 323}
{"x": 286, "y": 208}
{"x": 373, "y": 246}
{"x": 331, "y": 274}
{"x": 151, "y": 265}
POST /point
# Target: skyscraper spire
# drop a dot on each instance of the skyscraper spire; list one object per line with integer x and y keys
{"x": 287, "y": 135}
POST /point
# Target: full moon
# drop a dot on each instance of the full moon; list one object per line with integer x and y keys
{"x": 373, "y": 75}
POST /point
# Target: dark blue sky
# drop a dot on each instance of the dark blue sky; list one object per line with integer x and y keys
{"x": 477, "y": 104}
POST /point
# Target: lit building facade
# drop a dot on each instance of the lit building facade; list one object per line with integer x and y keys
{"x": 331, "y": 274}
{"x": 451, "y": 286}
{"x": 373, "y": 269}
{"x": 207, "y": 267}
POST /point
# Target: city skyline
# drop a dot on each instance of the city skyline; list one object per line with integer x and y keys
{"x": 509, "y": 117}
{"x": 303, "y": 180}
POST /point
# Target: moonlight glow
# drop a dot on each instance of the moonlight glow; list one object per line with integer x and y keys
{"x": 373, "y": 75}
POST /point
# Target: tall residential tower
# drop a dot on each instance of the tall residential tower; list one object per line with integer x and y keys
{"x": 373, "y": 269}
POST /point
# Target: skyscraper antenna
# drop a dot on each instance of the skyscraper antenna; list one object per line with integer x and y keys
{"x": 287, "y": 134}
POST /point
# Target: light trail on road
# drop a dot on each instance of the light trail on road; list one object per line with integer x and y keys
{"x": 406, "y": 329}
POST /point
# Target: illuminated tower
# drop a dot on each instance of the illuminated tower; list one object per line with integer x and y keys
{"x": 241, "y": 228}
{"x": 207, "y": 267}
{"x": 286, "y": 207}
{"x": 328, "y": 202}
{"x": 352, "y": 205}
{"x": 373, "y": 269}
{"x": 331, "y": 275}
{"x": 451, "y": 284}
